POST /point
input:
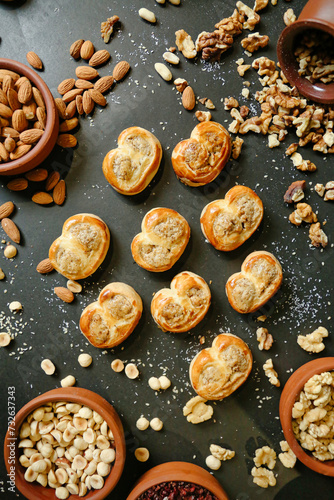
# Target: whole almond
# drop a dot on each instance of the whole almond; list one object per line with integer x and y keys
{"x": 66, "y": 85}
{"x": 68, "y": 125}
{"x": 64, "y": 294}
{"x": 38, "y": 126}
{"x": 24, "y": 94}
{"x": 59, "y": 193}
{"x": 29, "y": 110}
{"x": 75, "y": 48}
{"x": 37, "y": 175}
{"x": 9, "y": 144}
{"x": 78, "y": 102}
{"x": 34, "y": 60}
{"x": 42, "y": 198}
{"x": 87, "y": 50}
{"x": 71, "y": 94}
{"x": 11, "y": 230}
{"x": 3, "y": 97}
{"x": 19, "y": 121}
{"x": 45, "y": 266}
{"x": 13, "y": 99}
{"x": 4, "y": 122}
{"x": 84, "y": 84}
{"x": 6, "y": 209}
{"x": 188, "y": 98}
{"x": 20, "y": 81}
{"x": 66, "y": 141}
{"x": 120, "y": 70}
{"x": 61, "y": 108}
{"x": 5, "y": 111}
{"x": 97, "y": 97}
{"x": 10, "y": 132}
{"x": 19, "y": 184}
{"x": 20, "y": 151}
{"x": 14, "y": 75}
{"x": 103, "y": 84}
{"x": 37, "y": 95}
{"x": 71, "y": 109}
{"x": 86, "y": 73}
{"x": 100, "y": 57}
{"x": 4, "y": 155}
{"x": 7, "y": 83}
{"x": 87, "y": 103}
{"x": 52, "y": 180}
{"x": 31, "y": 136}
{"x": 41, "y": 116}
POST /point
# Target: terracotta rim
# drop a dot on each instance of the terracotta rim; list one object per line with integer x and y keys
{"x": 45, "y": 145}
{"x": 34, "y": 491}
{"x": 178, "y": 471}
{"x": 288, "y": 397}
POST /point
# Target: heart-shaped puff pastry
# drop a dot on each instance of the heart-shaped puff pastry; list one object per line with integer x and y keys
{"x": 132, "y": 165}
{"x": 82, "y": 246}
{"x": 110, "y": 320}
{"x": 164, "y": 237}
{"x": 198, "y": 160}
{"x": 260, "y": 278}
{"x": 183, "y": 305}
{"x": 218, "y": 371}
{"x": 228, "y": 223}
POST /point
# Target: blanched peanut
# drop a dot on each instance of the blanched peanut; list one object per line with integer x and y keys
{"x": 73, "y": 489}
{"x": 39, "y": 466}
{"x": 24, "y": 461}
{"x": 108, "y": 455}
{"x": 102, "y": 442}
{"x": 154, "y": 383}
{"x": 85, "y": 412}
{"x": 85, "y": 360}
{"x": 30, "y": 475}
{"x": 147, "y": 15}
{"x": 156, "y": 424}
{"x": 142, "y": 454}
{"x": 48, "y": 367}
{"x": 103, "y": 469}
{"x": 164, "y": 382}
{"x": 68, "y": 381}
{"x": 42, "y": 479}
{"x": 117, "y": 365}
{"x": 79, "y": 463}
{"x": 62, "y": 493}
{"x": 91, "y": 468}
{"x": 5, "y": 339}
{"x": 131, "y": 371}
{"x": 96, "y": 482}
{"x": 61, "y": 475}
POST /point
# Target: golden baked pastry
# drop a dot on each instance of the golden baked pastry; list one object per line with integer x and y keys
{"x": 82, "y": 246}
{"x": 259, "y": 279}
{"x": 229, "y": 222}
{"x": 164, "y": 237}
{"x": 132, "y": 165}
{"x": 218, "y": 371}
{"x": 183, "y": 305}
{"x": 110, "y": 320}
{"x": 198, "y": 160}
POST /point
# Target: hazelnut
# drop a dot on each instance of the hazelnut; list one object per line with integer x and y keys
{"x": 142, "y": 423}
{"x": 84, "y": 359}
{"x": 142, "y": 454}
{"x": 117, "y": 365}
{"x": 10, "y": 251}
{"x": 131, "y": 371}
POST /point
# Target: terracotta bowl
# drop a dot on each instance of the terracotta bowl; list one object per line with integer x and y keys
{"x": 45, "y": 145}
{"x": 177, "y": 471}
{"x": 288, "y": 397}
{"x": 34, "y": 491}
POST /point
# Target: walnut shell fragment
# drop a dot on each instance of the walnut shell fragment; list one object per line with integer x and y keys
{"x": 295, "y": 192}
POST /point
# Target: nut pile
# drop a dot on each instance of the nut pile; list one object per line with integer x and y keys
{"x": 10, "y": 228}
{"x": 315, "y": 55}
{"x": 22, "y": 115}
{"x": 68, "y": 447}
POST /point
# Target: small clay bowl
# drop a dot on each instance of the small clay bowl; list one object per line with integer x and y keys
{"x": 177, "y": 471}
{"x": 43, "y": 148}
{"x": 288, "y": 397}
{"x": 34, "y": 491}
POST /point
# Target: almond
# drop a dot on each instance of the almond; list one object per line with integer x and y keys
{"x": 37, "y": 95}
{"x": 78, "y": 102}
{"x": 68, "y": 125}
{"x": 13, "y": 99}
{"x": 11, "y": 230}
{"x": 10, "y": 132}
{"x": 37, "y": 175}
{"x": 69, "y": 96}
{"x": 20, "y": 151}
{"x": 120, "y": 70}
{"x": 24, "y": 94}
{"x": 9, "y": 144}
{"x": 100, "y": 57}
{"x": 3, "y": 153}
{"x": 103, "y": 84}
{"x": 19, "y": 121}
{"x": 7, "y": 83}
{"x": 84, "y": 84}
{"x": 75, "y": 48}
{"x": 34, "y": 60}
{"x": 97, "y": 97}
{"x": 31, "y": 136}
{"x": 18, "y": 184}
{"x": 87, "y": 50}
{"x": 66, "y": 86}
{"x": 42, "y": 198}
{"x": 3, "y": 97}
{"x": 61, "y": 108}
{"x": 59, "y": 193}
{"x": 29, "y": 110}
{"x": 20, "y": 81}
{"x": 52, "y": 180}
{"x": 45, "y": 266}
{"x": 14, "y": 75}
{"x": 66, "y": 141}
{"x": 64, "y": 294}
{"x": 71, "y": 109}
{"x": 87, "y": 103}
{"x": 86, "y": 73}
{"x": 4, "y": 122}
{"x": 6, "y": 209}
{"x": 188, "y": 98}
{"x": 41, "y": 117}
{"x": 5, "y": 111}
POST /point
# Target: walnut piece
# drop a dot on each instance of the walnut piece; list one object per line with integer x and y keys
{"x": 209, "y": 104}
{"x": 271, "y": 373}
{"x": 295, "y": 192}
{"x": 289, "y": 17}
{"x": 291, "y": 149}
{"x": 203, "y": 116}
{"x": 313, "y": 342}
{"x": 231, "y": 25}
{"x": 305, "y": 212}
{"x": 252, "y": 17}
{"x": 107, "y": 28}
{"x": 265, "y": 456}
{"x": 185, "y": 44}
{"x": 263, "y": 477}
{"x": 320, "y": 189}
{"x": 221, "y": 453}
{"x": 180, "y": 84}
{"x": 242, "y": 68}
{"x": 230, "y": 102}
{"x": 197, "y": 411}
{"x": 260, "y": 4}
{"x": 288, "y": 458}
{"x": 317, "y": 236}
{"x": 254, "y": 42}
{"x": 236, "y": 147}
{"x": 264, "y": 339}
{"x": 213, "y": 44}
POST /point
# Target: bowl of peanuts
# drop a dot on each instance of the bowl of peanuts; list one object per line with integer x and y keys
{"x": 307, "y": 414}
{"x": 67, "y": 441}
{"x": 28, "y": 118}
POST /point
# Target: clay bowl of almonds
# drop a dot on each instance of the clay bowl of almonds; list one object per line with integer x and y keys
{"x": 67, "y": 441}
{"x": 177, "y": 480}
{"x": 307, "y": 414}
{"x": 28, "y": 118}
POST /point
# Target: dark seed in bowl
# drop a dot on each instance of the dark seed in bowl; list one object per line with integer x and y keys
{"x": 177, "y": 490}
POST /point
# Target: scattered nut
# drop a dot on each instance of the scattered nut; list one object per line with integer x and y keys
{"x": 185, "y": 44}
{"x": 197, "y": 411}
{"x": 212, "y": 462}
{"x": 131, "y": 371}
{"x": 142, "y": 454}
{"x": 74, "y": 286}
{"x": 163, "y": 71}
{"x": 313, "y": 342}
{"x": 221, "y": 453}
{"x": 68, "y": 381}
{"x": 264, "y": 339}
{"x": 5, "y": 339}
{"x": 288, "y": 458}
{"x": 117, "y": 365}
{"x": 203, "y": 116}
{"x": 165, "y": 383}
{"x": 271, "y": 373}
{"x": 180, "y": 84}
{"x": 2, "y": 274}
{"x": 154, "y": 383}
{"x": 10, "y": 251}
{"x": 48, "y": 367}
{"x": 148, "y": 15}
{"x": 171, "y": 58}
{"x": 142, "y": 423}
{"x": 15, "y": 306}
{"x": 156, "y": 424}
{"x": 295, "y": 192}
{"x": 317, "y": 236}
{"x": 85, "y": 360}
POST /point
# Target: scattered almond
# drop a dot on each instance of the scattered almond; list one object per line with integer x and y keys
{"x": 84, "y": 84}
{"x": 68, "y": 125}
{"x": 87, "y": 50}
{"x": 42, "y": 198}
{"x": 6, "y": 209}
{"x": 78, "y": 102}
{"x": 86, "y": 73}
{"x": 71, "y": 94}
{"x": 75, "y": 49}
{"x": 120, "y": 70}
{"x": 71, "y": 109}
{"x": 61, "y": 108}
{"x": 103, "y": 84}
{"x": 188, "y": 98}
{"x": 52, "y": 180}
{"x": 19, "y": 184}
{"x": 87, "y": 103}
{"x": 64, "y": 294}
{"x": 97, "y": 97}
{"x": 66, "y": 86}
{"x": 34, "y": 60}
{"x": 45, "y": 266}
{"x": 66, "y": 141}
{"x": 100, "y": 57}
{"x": 59, "y": 193}
{"x": 37, "y": 175}
{"x": 11, "y": 230}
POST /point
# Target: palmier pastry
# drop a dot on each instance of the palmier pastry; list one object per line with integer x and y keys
{"x": 110, "y": 320}
{"x": 164, "y": 237}
{"x": 82, "y": 246}
{"x": 132, "y": 165}
{"x": 218, "y": 371}
{"x": 198, "y": 160}
{"x": 183, "y": 305}
{"x": 259, "y": 279}
{"x": 228, "y": 223}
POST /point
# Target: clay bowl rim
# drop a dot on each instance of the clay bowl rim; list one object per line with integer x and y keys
{"x": 321, "y": 92}
{"x": 289, "y": 394}
{"x": 43, "y": 148}
{"x": 166, "y": 472}
{"x": 34, "y": 491}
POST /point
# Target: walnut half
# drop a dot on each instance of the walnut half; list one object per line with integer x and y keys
{"x": 295, "y": 192}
